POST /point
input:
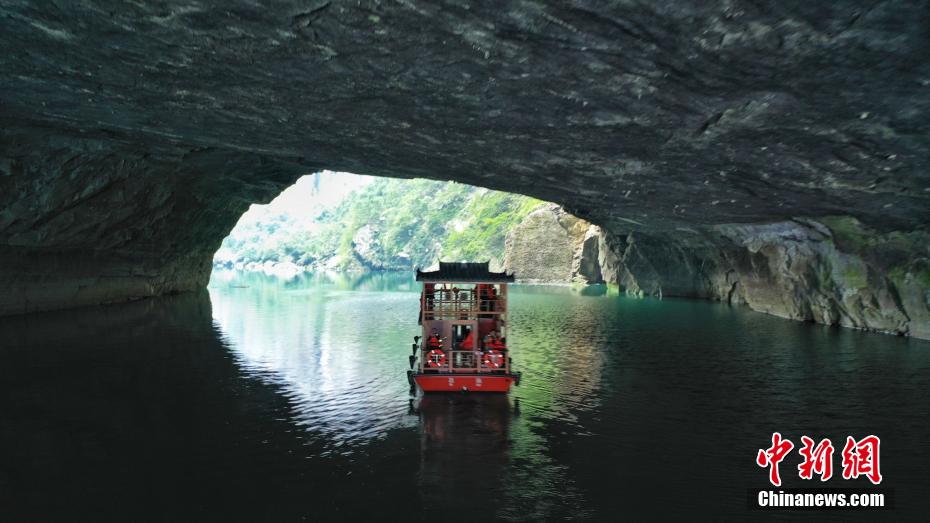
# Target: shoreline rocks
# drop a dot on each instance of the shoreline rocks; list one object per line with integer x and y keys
{"x": 834, "y": 271}
{"x": 707, "y": 139}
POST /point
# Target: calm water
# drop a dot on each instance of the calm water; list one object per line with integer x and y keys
{"x": 274, "y": 400}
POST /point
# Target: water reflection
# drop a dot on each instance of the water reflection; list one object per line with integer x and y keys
{"x": 136, "y": 411}
{"x": 464, "y": 452}
{"x": 333, "y": 343}
{"x": 286, "y": 400}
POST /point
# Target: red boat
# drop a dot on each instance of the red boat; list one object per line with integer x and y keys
{"x": 463, "y": 346}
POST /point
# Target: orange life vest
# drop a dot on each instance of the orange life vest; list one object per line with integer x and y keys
{"x": 467, "y": 342}
{"x": 496, "y": 343}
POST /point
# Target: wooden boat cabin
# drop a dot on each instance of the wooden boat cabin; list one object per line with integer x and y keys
{"x": 463, "y": 344}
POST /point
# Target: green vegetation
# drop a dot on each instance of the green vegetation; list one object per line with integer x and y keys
{"x": 492, "y": 215}
{"x": 850, "y": 234}
{"x": 386, "y": 224}
{"x": 920, "y": 275}
{"x": 904, "y": 254}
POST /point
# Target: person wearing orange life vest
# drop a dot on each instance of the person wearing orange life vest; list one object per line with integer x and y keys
{"x": 468, "y": 342}
{"x": 493, "y": 355}
{"x": 434, "y": 341}
{"x": 488, "y": 340}
{"x": 493, "y": 341}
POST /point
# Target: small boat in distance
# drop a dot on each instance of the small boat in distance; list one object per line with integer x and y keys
{"x": 463, "y": 344}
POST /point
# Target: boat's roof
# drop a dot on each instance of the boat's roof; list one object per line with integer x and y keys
{"x": 464, "y": 272}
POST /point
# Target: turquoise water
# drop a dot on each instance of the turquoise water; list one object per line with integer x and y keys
{"x": 287, "y": 400}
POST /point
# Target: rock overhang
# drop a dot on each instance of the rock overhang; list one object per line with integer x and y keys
{"x": 145, "y": 129}
{"x": 673, "y": 114}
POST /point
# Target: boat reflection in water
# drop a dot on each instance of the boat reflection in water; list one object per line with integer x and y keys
{"x": 464, "y": 452}
{"x": 272, "y": 400}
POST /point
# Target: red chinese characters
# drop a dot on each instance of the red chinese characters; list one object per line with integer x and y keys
{"x": 817, "y": 460}
{"x": 772, "y": 456}
{"x": 861, "y": 458}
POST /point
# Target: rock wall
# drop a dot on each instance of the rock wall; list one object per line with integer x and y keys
{"x": 552, "y": 246}
{"x": 132, "y": 136}
{"x": 86, "y": 220}
{"x": 833, "y": 271}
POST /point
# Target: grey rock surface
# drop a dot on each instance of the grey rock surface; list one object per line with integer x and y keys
{"x": 836, "y": 272}
{"x": 552, "y": 246}
{"x": 539, "y": 249}
{"x": 135, "y": 134}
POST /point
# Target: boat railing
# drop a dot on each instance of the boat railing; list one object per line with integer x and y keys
{"x": 439, "y": 307}
{"x": 464, "y": 359}
{"x": 467, "y": 361}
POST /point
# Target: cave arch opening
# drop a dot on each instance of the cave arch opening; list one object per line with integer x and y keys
{"x": 348, "y": 223}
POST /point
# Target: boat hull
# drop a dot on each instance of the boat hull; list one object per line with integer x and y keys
{"x": 464, "y": 382}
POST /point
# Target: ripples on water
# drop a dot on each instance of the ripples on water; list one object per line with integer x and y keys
{"x": 287, "y": 400}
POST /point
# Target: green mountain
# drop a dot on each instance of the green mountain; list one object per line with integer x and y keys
{"x": 383, "y": 224}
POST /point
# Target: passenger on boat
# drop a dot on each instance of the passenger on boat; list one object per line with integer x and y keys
{"x": 493, "y": 341}
{"x": 434, "y": 341}
{"x": 468, "y": 342}
{"x": 487, "y": 340}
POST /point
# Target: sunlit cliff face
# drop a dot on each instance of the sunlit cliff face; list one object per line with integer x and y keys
{"x": 774, "y": 155}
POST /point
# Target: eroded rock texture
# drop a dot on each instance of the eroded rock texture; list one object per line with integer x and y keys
{"x": 134, "y": 134}
{"x": 839, "y": 273}
{"x": 552, "y": 246}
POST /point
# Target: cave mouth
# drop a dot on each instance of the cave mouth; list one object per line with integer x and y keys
{"x": 343, "y": 222}
{"x": 759, "y": 153}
